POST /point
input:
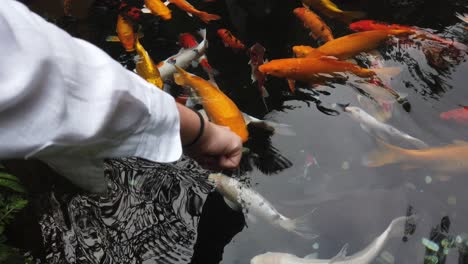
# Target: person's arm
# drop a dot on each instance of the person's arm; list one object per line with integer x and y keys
{"x": 68, "y": 103}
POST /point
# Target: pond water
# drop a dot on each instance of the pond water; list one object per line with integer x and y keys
{"x": 322, "y": 164}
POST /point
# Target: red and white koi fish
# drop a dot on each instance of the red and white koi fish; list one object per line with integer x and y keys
{"x": 188, "y": 41}
{"x": 257, "y": 58}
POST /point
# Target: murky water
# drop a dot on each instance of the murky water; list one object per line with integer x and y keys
{"x": 149, "y": 219}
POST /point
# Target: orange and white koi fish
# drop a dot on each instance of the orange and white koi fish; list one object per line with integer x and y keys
{"x": 351, "y": 45}
{"x": 230, "y": 40}
{"x": 158, "y": 8}
{"x": 183, "y": 58}
{"x": 318, "y": 28}
{"x": 188, "y": 41}
{"x": 146, "y": 68}
{"x": 329, "y": 9}
{"x": 449, "y": 158}
{"x": 309, "y": 69}
{"x": 219, "y": 107}
{"x": 191, "y": 10}
{"x": 125, "y": 33}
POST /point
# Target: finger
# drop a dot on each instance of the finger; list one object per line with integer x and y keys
{"x": 231, "y": 160}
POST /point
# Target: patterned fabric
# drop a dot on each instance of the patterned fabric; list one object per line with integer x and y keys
{"x": 150, "y": 215}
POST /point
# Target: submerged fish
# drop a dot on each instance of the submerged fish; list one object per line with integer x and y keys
{"x": 158, "y": 8}
{"x": 310, "y": 69}
{"x": 238, "y": 196}
{"x": 449, "y": 158}
{"x": 191, "y": 10}
{"x": 459, "y": 115}
{"x": 257, "y": 58}
{"x": 352, "y": 44}
{"x": 182, "y": 59}
{"x": 146, "y": 68}
{"x": 368, "y": 25}
{"x": 329, "y": 9}
{"x": 373, "y": 126}
{"x": 318, "y": 28}
{"x": 219, "y": 107}
{"x": 464, "y": 18}
{"x": 229, "y": 40}
{"x": 365, "y": 256}
{"x": 188, "y": 41}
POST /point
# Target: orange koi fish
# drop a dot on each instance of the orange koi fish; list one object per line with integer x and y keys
{"x": 146, "y": 68}
{"x": 449, "y": 158}
{"x": 310, "y": 69}
{"x": 191, "y": 10}
{"x": 125, "y": 33}
{"x": 158, "y": 8}
{"x": 353, "y": 44}
{"x": 318, "y": 28}
{"x": 302, "y": 51}
{"x": 459, "y": 115}
{"x": 366, "y": 25}
{"x": 229, "y": 39}
{"x": 220, "y": 109}
{"x": 329, "y": 9}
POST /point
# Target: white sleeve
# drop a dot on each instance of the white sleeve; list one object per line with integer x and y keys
{"x": 68, "y": 103}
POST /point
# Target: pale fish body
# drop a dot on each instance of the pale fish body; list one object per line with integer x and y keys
{"x": 382, "y": 130}
{"x": 238, "y": 196}
{"x": 365, "y": 256}
{"x": 183, "y": 59}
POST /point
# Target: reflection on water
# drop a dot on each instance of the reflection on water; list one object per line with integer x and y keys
{"x": 150, "y": 215}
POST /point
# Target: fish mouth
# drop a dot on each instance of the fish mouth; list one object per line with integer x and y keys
{"x": 343, "y": 106}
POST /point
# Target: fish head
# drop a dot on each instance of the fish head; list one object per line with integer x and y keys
{"x": 302, "y": 51}
{"x": 362, "y": 25}
{"x": 270, "y": 258}
{"x": 275, "y": 67}
{"x": 300, "y": 11}
{"x": 187, "y": 40}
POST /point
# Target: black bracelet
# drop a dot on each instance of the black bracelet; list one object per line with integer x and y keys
{"x": 200, "y": 132}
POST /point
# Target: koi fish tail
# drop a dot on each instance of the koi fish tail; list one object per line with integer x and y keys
{"x": 207, "y": 17}
{"x": 349, "y": 16}
{"x": 299, "y": 226}
{"x": 385, "y": 154}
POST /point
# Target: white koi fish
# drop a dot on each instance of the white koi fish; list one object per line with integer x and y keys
{"x": 238, "y": 196}
{"x": 183, "y": 59}
{"x": 365, "y": 256}
{"x": 381, "y": 130}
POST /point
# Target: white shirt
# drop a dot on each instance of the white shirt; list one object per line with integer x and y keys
{"x": 66, "y": 102}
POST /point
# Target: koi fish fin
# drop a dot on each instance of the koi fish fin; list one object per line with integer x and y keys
{"x": 189, "y": 14}
{"x": 264, "y": 92}
{"x": 234, "y": 206}
{"x": 112, "y": 39}
{"x": 299, "y": 226}
{"x": 386, "y": 154}
{"x": 341, "y": 255}
{"x": 202, "y": 33}
{"x": 167, "y": 3}
{"x": 206, "y": 17}
{"x": 386, "y": 74}
{"x": 146, "y": 10}
{"x": 349, "y": 16}
{"x": 292, "y": 85}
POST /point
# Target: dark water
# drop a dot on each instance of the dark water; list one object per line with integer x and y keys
{"x": 354, "y": 203}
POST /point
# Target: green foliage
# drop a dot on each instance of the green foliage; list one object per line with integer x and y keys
{"x": 12, "y": 200}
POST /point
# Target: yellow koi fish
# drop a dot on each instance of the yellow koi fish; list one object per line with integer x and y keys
{"x": 146, "y": 68}
{"x": 329, "y": 9}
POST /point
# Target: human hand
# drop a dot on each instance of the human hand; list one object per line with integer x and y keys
{"x": 218, "y": 148}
